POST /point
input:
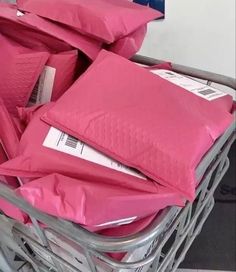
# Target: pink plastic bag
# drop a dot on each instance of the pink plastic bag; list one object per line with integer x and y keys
{"x": 142, "y": 120}
{"x": 13, "y": 212}
{"x": 39, "y": 33}
{"x": 87, "y": 45}
{"x": 60, "y": 69}
{"x": 106, "y": 20}
{"x": 12, "y": 181}
{"x": 26, "y": 35}
{"x": 34, "y": 160}
{"x": 129, "y": 45}
{"x": 52, "y": 194}
{"x": 9, "y": 141}
{"x": 19, "y": 71}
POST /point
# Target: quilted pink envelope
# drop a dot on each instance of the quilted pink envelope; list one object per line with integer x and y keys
{"x": 143, "y": 120}
{"x": 90, "y": 182}
{"x": 59, "y": 72}
{"x": 53, "y": 195}
{"x": 19, "y": 71}
{"x": 105, "y": 20}
{"x": 34, "y": 159}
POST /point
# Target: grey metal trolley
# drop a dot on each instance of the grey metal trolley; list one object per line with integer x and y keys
{"x": 65, "y": 247}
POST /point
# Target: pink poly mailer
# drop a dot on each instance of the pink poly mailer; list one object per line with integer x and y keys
{"x": 12, "y": 181}
{"x": 86, "y": 202}
{"x": 142, "y": 120}
{"x": 9, "y": 140}
{"x": 58, "y": 75}
{"x": 106, "y": 20}
{"x": 63, "y": 156}
{"x": 87, "y": 45}
{"x": 59, "y": 72}
{"x": 25, "y": 34}
{"x": 40, "y": 33}
{"x": 19, "y": 72}
{"x": 129, "y": 45}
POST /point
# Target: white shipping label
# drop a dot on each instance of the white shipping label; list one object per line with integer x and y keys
{"x": 63, "y": 142}
{"x": 193, "y": 86}
{"x": 42, "y": 92}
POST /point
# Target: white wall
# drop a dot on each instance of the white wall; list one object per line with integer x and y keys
{"x": 197, "y": 33}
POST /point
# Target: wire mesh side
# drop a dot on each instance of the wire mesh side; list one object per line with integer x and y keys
{"x": 182, "y": 232}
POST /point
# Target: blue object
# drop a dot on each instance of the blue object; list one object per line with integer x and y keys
{"x": 155, "y": 4}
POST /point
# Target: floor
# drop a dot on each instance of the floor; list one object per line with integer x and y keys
{"x": 199, "y": 270}
{"x": 215, "y": 247}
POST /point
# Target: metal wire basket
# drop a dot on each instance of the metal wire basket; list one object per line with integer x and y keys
{"x": 65, "y": 247}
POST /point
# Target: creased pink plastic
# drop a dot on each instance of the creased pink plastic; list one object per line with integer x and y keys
{"x": 12, "y": 211}
{"x": 65, "y": 64}
{"x": 27, "y": 114}
{"x": 34, "y": 160}
{"x": 9, "y": 136}
{"x": 129, "y": 45}
{"x": 62, "y": 58}
{"x": 87, "y": 45}
{"x": 19, "y": 71}
{"x": 40, "y": 33}
{"x": 9, "y": 141}
{"x": 87, "y": 202}
{"x": 27, "y": 35}
{"x": 141, "y": 120}
{"x": 11, "y": 181}
{"x": 106, "y": 20}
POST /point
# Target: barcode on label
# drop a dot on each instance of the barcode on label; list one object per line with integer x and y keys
{"x": 207, "y": 92}
{"x": 34, "y": 95}
{"x": 195, "y": 87}
{"x": 68, "y": 144}
{"x": 71, "y": 142}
